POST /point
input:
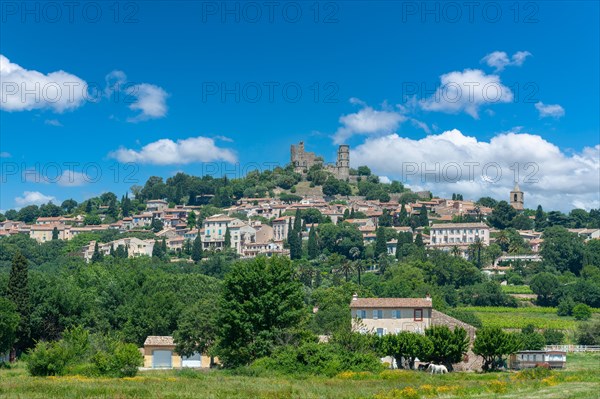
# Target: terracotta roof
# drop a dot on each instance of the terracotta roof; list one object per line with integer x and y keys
{"x": 390, "y": 303}
{"x": 159, "y": 340}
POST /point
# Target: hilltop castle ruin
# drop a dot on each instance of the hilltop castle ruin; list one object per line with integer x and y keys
{"x": 303, "y": 160}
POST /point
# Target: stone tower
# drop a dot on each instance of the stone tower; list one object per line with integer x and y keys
{"x": 343, "y": 162}
{"x": 517, "y": 198}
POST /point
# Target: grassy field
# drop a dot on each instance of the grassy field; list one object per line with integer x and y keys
{"x": 516, "y": 318}
{"x": 580, "y": 381}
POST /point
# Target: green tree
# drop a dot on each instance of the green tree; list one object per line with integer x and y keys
{"x": 540, "y": 218}
{"x": 191, "y": 220}
{"x": 449, "y": 346}
{"x": 562, "y": 249}
{"x": 55, "y": 233}
{"x": 553, "y": 337}
{"x": 405, "y": 347}
{"x": 313, "y": 244}
{"x": 423, "y": 219}
{"x": 262, "y": 305}
{"x": 545, "y": 286}
{"x": 380, "y": 242}
{"x": 502, "y": 215}
{"x": 156, "y": 225}
{"x": 198, "y": 328}
{"x": 9, "y": 323}
{"x": 494, "y": 345}
{"x": 197, "y": 249}
{"x": 227, "y": 239}
{"x": 18, "y": 293}
{"x": 363, "y": 171}
{"x": 97, "y": 256}
{"x": 582, "y": 311}
{"x": 419, "y": 241}
{"x": 530, "y": 339}
{"x": 157, "y": 251}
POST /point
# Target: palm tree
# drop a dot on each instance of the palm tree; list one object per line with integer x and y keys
{"x": 455, "y": 251}
{"x": 346, "y": 268}
{"x": 477, "y": 248}
{"x": 502, "y": 240}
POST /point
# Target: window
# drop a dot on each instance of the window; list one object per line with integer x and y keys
{"x": 418, "y": 315}
{"x": 378, "y": 314}
{"x": 395, "y": 314}
{"x": 381, "y": 332}
{"x": 361, "y": 314}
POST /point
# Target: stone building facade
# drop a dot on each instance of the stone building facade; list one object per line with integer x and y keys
{"x": 303, "y": 160}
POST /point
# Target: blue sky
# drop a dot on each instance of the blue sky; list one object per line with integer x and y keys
{"x": 160, "y": 87}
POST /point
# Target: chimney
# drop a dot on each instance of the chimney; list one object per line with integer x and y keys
{"x": 355, "y": 297}
{"x": 428, "y": 297}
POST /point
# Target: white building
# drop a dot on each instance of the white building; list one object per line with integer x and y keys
{"x": 461, "y": 235}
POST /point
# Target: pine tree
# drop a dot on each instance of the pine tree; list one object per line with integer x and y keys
{"x": 380, "y": 242}
{"x": 18, "y": 293}
{"x": 97, "y": 256}
{"x": 227, "y": 239}
{"x": 55, "y": 233}
{"x": 113, "y": 211}
{"x": 197, "y": 249}
{"x": 540, "y": 220}
{"x": 88, "y": 207}
{"x": 313, "y": 244}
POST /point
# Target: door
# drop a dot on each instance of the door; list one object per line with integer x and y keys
{"x": 193, "y": 361}
{"x": 161, "y": 359}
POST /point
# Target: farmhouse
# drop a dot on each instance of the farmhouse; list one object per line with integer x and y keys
{"x": 159, "y": 353}
{"x": 390, "y": 315}
{"x": 529, "y": 359}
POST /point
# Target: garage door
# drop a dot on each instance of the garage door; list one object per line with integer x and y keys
{"x": 193, "y": 361}
{"x": 161, "y": 359}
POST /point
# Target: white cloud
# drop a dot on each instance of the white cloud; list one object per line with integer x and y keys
{"x": 23, "y": 90}
{"x": 5, "y": 154}
{"x": 367, "y": 121}
{"x": 66, "y": 178}
{"x": 33, "y": 198}
{"x": 499, "y": 59}
{"x": 169, "y": 152}
{"x": 53, "y": 122}
{"x": 150, "y": 100}
{"x": 451, "y": 162}
{"x": 224, "y": 138}
{"x": 550, "y": 110}
{"x": 467, "y": 91}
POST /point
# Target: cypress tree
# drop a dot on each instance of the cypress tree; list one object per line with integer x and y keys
{"x": 164, "y": 246}
{"x": 380, "y": 242}
{"x": 227, "y": 242}
{"x": 97, "y": 255}
{"x": 18, "y": 293}
{"x": 197, "y": 249}
{"x": 423, "y": 219}
{"x": 55, "y": 233}
{"x": 157, "y": 250}
{"x": 419, "y": 241}
{"x": 112, "y": 250}
{"x": 313, "y": 245}
{"x": 403, "y": 216}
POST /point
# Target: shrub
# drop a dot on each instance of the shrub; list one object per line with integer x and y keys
{"x": 317, "y": 359}
{"x": 121, "y": 360}
{"x": 589, "y": 334}
{"x": 47, "y": 359}
{"x": 582, "y": 312}
{"x": 565, "y": 307}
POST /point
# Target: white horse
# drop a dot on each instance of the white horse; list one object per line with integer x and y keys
{"x": 435, "y": 369}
